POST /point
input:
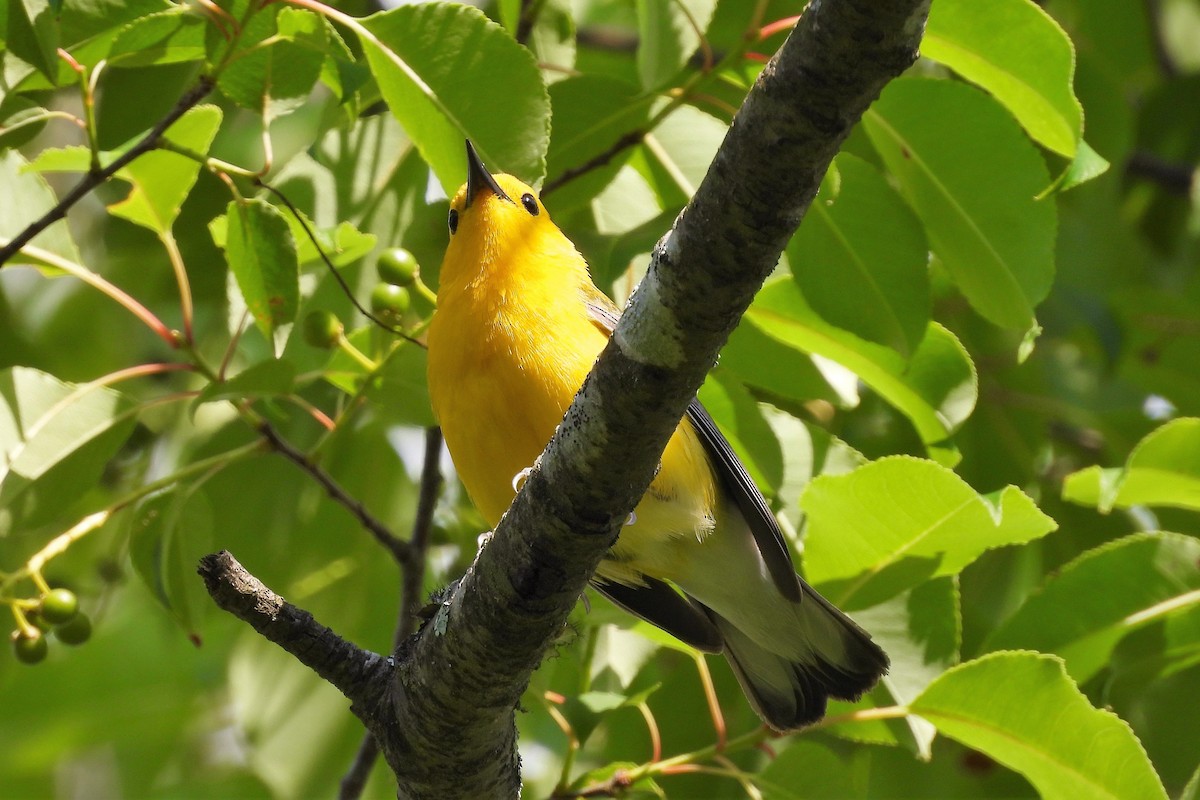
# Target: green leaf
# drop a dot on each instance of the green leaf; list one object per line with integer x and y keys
{"x": 55, "y": 440}
{"x": 448, "y": 72}
{"x": 972, "y": 177}
{"x": 1085, "y": 609}
{"x": 675, "y": 156}
{"x": 1086, "y": 165}
{"x": 20, "y": 120}
{"x": 25, "y": 198}
{"x": 861, "y": 259}
{"x": 343, "y": 245}
{"x": 775, "y": 366}
{"x": 591, "y": 113}
{"x": 32, "y": 36}
{"x": 168, "y": 37}
{"x": 1163, "y": 470}
{"x": 669, "y": 32}
{"x": 810, "y": 768}
{"x": 161, "y": 179}
{"x": 1022, "y": 710}
{"x": 268, "y": 378}
{"x": 169, "y": 533}
{"x": 936, "y": 389}
{"x": 899, "y": 521}
{"x": 276, "y": 73}
{"x": 1018, "y": 53}
{"x": 262, "y": 257}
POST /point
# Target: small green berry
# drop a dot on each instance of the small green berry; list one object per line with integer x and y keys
{"x": 59, "y": 606}
{"x": 389, "y": 302}
{"x": 397, "y": 266}
{"x": 29, "y": 649}
{"x": 322, "y": 329}
{"x": 77, "y": 631}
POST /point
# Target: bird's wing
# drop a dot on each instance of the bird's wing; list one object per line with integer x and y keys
{"x": 662, "y": 606}
{"x": 762, "y": 523}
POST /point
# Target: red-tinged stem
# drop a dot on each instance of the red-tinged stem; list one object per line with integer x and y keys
{"x": 772, "y": 28}
{"x": 92, "y": 279}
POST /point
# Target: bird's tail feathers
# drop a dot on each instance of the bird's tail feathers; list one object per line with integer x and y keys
{"x": 791, "y": 691}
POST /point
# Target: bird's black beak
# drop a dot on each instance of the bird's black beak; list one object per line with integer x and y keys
{"x": 478, "y": 177}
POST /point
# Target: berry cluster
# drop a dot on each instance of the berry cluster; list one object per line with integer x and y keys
{"x": 56, "y": 612}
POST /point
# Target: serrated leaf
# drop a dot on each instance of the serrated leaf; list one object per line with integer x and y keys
{"x": 972, "y": 176}
{"x": 936, "y": 389}
{"x": 25, "y": 198}
{"x": 1162, "y": 470}
{"x": 894, "y": 523}
{"x": 262, "y": 257}
{"x": 1018, "y": 53}
{"x": 55, "y": 440}
{"x": 161, "y": 179}
{"x": 167, "y": 37}
{"x": 276, "y": 72}
{"x": 447, "y": 73}
{"x": 1085, "y": 609}
{"x": 591, "y": 114}
{"x": 861, "y": 259}
{"x": 168, "y": 534}
{"x": 1022, "y": 710}
{"x": 669, "y": 32}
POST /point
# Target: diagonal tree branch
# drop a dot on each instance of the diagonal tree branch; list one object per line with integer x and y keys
{"x": 460, "y": 680}
{"x": 98, "y": 176}
{"x": 359, "y": 674}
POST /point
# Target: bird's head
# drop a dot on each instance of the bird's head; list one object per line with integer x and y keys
{"x": 496, "y": 220}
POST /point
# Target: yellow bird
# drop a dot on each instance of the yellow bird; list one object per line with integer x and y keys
{"x": 518, "y": 326}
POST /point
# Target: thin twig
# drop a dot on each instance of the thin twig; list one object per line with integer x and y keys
{"x": 527, "y": 19}
{"x": 626, "y": 141}
{"x": 96, "y": 177}
{"x": 1173, "y": 177}
{"x": 394, "y": 544}
{"x": 413, "y": 581}
{"x": 357, "y": 673}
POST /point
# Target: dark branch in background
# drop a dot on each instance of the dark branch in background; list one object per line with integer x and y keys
{"x": 1172, "y": 176}
{"x": 527, "y": 19}
{"x": 96, "y": 177}
{"x": 411, "y": 591}
{"x": 1154, "y": 21}
{"x": 359, "y": 674}
{"x": 399, "y": 548}
{"x": 626, "y": 141}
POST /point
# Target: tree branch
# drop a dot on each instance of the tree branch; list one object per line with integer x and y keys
{"x": 460, "y": 680}
{"x": 96, "y": 177}
{"x": 400, "y": 549}
{"x": 359, "y": 674}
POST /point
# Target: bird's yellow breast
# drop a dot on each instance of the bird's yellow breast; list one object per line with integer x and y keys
{"x": 509, "y": 346}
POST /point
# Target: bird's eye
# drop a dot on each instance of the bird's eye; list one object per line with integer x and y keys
{"x": 453, "y": 220}
{"x": 530, "y": 204}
